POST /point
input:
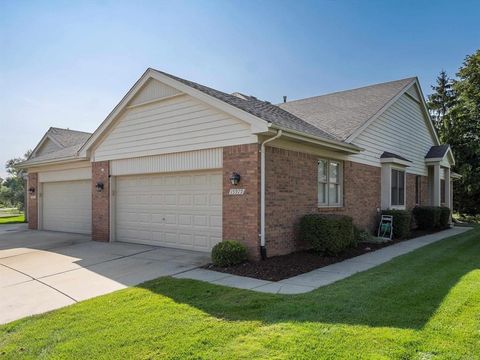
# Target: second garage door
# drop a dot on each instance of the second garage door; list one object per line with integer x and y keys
{"x": 67, "y": 206}
{"x": 182, "y": 210}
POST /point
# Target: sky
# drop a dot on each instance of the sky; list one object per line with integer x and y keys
{"x": 68, "y": 63}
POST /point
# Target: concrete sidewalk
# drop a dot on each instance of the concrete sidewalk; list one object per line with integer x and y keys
{"x": 323, "y": 276}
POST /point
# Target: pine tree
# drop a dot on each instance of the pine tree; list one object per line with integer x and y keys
{"x": 439, "y": 103}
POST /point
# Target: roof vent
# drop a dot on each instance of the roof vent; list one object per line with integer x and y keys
{"x": 284, "y": 98}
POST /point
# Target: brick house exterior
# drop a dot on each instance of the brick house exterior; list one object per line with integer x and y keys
{"x": 241, "y": 213}
{"x": 101, "y": 201}
{"x": 32, "y": 201}
{"x": 167, "y": 128}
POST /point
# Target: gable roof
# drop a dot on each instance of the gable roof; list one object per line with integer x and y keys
{"x": 69, "y": 142}
{"x": 437, "y": 151}
{"x": 261, "y": 115}
{"x": 67, "y": 137}
{"x": 342, "y": 113}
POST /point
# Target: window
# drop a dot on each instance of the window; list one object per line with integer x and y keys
{"x": 418, "y": 187}
{"x": 329, "y": 183}
{"x": 398, "y": 187}
{"x": 442, "y": 191}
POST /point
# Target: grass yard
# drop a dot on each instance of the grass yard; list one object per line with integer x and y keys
{"x": 12, "y": 219}
{"x": 424, "y": 305}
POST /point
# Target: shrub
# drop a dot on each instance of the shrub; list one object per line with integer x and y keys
{"x": 427, "y": 217}
{"x": 444, "y": 217}
{"x": 330, "y": 234}
{"x": 228, "y": 253}
{"x": 402, "y": 222}
{"x": 361, "y": 235}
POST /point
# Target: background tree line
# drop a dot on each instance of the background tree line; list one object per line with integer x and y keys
{"x": 12, "y": 188}
{"x": 455, "y": 109}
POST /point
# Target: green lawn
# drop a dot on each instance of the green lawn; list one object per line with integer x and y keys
{"x": 12, "y": 219}
{"x": 424, "y": 305}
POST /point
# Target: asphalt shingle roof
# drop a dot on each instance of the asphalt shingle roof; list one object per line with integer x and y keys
{"x": 70, "y": 140}
{"x": 262, "y": 109}
{"x": 342, "y": 113}
{"x": 437, "y": 151}
{"x": 388, "y": 155}
{"x": 67, "y": 137}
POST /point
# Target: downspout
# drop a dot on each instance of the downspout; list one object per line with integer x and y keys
{"x": 263, "y": 249}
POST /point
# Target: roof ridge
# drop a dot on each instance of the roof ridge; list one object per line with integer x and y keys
{"x": 353, "y": 89}
{"x": 63, "y": 129}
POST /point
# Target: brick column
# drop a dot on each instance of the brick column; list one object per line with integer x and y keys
{"x": 101, "y": 201}
{"x": 32, "y": 201}
{"x": 241, "y": 213}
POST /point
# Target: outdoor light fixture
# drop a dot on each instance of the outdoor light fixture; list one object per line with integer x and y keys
{"x": 31, "y": 190}
{"x": 99, "y": 186}
{"x": 235, "y": 178}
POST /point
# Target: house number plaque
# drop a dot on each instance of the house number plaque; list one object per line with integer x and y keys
{"x": 236, "y": 192}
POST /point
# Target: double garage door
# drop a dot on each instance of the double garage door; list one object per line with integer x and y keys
{"x": 182, "y": 210}
{"x": 67, "y": 206}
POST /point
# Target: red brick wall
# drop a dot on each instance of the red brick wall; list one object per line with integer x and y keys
{"x": 32, "y": 201}
{"x": 101, "y": 202}
{"x": 290, "y": 179}
{"x": 411, "y": 178}
{"x": 241, "y": 213}
{"x": 291, "y": 183}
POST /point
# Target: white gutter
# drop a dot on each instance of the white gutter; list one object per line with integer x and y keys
{"x": 263, "y": 250}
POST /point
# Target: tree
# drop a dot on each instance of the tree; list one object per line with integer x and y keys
{"x": 440, "y": 103}
{"x": 466, "y": 135}
{"x": 12, "y": 189}
{"x": 455, "y": 109}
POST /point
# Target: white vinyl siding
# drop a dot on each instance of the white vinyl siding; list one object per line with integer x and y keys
{"x": 181, "y": 210}
{"x": 152, "y": 90}
{"x": 192, "y": 160}
{"x": 81, "y": 173}
{"x": 402, "y": 130}
{"x": 67, "y": 206}
{"x": 177, "y": 124}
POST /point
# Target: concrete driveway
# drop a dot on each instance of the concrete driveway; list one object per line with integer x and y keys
{"x": 43, "y": 270}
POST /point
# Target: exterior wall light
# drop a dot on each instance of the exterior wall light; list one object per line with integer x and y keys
{"x": 31, "y": 190}
{"x": 235, "y": 178}
{"x": 99, "y": 186}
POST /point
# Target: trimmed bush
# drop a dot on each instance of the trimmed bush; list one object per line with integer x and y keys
{"x": 444, "y": 217}
{"x": 361, "y": 235}
{"x": 402, "y": 222}
{"x": 228, "y": 253}
{"x": 427, "y": 217}
{"x": 330, "y": 234}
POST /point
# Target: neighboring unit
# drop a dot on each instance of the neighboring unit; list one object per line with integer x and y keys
{"x": 182, "y": 165}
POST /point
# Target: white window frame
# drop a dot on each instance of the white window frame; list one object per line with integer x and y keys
{"x": 327, "y": 204}
{"x": 400, "y": 207}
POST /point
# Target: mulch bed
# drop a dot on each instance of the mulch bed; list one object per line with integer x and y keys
{"x": 285, "y": 266}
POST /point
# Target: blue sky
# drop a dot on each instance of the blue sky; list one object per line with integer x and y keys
{"x": 68, "y": 63}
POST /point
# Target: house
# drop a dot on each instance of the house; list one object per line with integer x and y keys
{"x": 182, "y": 165}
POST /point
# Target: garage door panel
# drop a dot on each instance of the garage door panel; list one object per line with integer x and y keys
{"x": 177, "y": 210}
{"x": 67, "y": 206}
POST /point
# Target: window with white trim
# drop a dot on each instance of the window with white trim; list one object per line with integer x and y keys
{"x": 398, "y": 187}
{"x": 329, "y": 183}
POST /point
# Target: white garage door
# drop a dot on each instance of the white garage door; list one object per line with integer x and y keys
{"x": 175, "y": 210}
{"x": 67, "y": 206}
